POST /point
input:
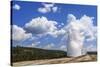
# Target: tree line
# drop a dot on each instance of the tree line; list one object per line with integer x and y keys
{"x": 26, "y": 53}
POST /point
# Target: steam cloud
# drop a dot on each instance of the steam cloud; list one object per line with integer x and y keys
{"x": 79, "y": 30}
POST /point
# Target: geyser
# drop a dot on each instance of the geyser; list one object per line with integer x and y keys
{"x": 75, "y": 37}
{"x": 75, "y": 42}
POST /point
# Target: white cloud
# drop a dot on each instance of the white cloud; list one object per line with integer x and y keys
{"x": 61, "y": 25}
{"x": 60, "y": 32}
{"x": 63, "y": 47}
{"x": 47, "y": 8}
{"x": 16, "y": 7}
{"x": 40, "y": 25}
{"x": 44, "y": 10}
{"x": 90, "y": 29}
{"x": 19, "y": 34}
{"x": 48, "y": 5}
{"x": 54, "y": 9}
{"x": 91, "y": 47}
{"x": 71, "y": 18}
{"x": 49, "y": 46}
{"x": 57, "y": 33}
{"x": 33, "y": 45}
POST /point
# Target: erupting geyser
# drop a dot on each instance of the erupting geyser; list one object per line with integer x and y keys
{"x": 75, "y": 37}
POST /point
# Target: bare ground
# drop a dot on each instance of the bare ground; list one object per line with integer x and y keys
{"x": 85, "y": 58}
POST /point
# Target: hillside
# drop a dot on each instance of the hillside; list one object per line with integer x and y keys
{"x": 34, "y": 56}
{"x": 24, "y": 54}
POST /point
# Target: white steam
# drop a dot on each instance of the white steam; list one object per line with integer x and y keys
{"x": 78, "y": 30}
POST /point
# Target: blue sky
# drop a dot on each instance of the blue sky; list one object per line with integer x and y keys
{"x": 23, "y": 12}
{"x": 29, "y": 10}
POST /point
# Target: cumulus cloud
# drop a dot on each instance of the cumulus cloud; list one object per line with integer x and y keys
{"x": 47, "y": 8}
{"x": 40, "y": 25}
{"x": 61, "y": 25}
{"x": 16, "y": 7}
{"x": 57, "y": 33}
{"x": 89, "y": 28}
{"x": 19, "y": 34}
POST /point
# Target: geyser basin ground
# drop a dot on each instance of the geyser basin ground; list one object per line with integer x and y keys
{"x": 84, "y": 58}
